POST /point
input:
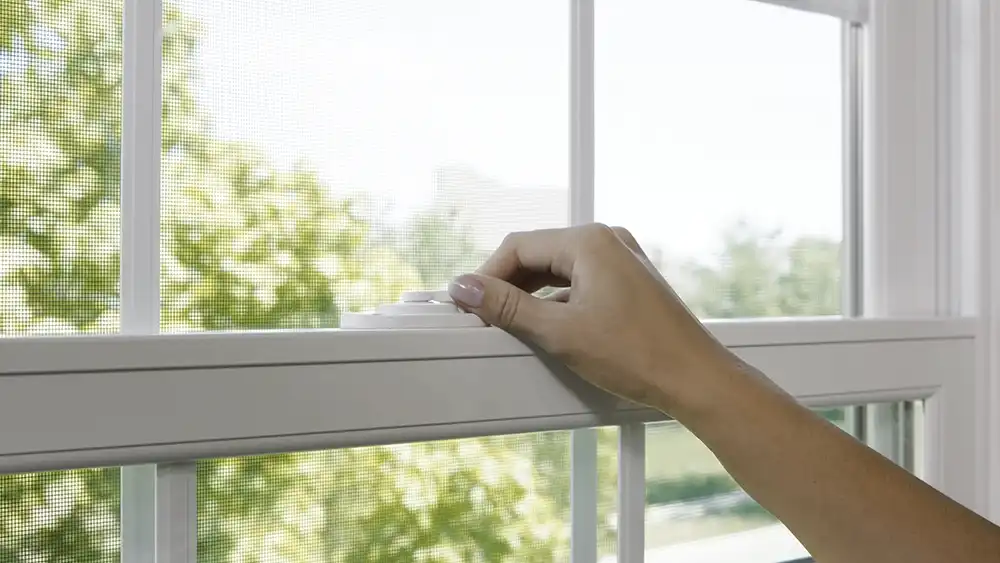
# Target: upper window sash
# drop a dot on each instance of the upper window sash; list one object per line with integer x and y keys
{"x": 854, "y": 11}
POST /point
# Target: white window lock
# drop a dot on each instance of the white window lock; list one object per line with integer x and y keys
{"x": 415, "y": 309}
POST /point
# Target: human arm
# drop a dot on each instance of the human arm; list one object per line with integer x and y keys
{"x": 620, "y": 326}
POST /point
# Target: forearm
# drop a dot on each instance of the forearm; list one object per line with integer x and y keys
{"x": 843, "y": 501}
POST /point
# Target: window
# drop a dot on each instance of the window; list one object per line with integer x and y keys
{"x": 203, "y": 209}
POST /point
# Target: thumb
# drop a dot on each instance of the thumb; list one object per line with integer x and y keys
{"x": 503, "y": 305}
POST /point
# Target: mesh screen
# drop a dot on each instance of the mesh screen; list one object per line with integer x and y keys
{"x": 719, "y": 145}
{"x": 487, "y": 499}
{"x": 60, "y": 129}
{"x": 60, "y": 516}
{"x": 325, "y": 156}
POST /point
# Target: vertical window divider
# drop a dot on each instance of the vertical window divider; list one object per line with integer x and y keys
{"x": 138, "y": 514}
{"x": 583, "y": 442}
{"x": 581, "y": 175}
{"x": 852, "y": 282}
{"x": 852, "y": 259}
{"x": 140, "y": 167}
{"x": 176, "y": 513}
{"x": 158, "y": 504}
{"x": 632, "y": 493}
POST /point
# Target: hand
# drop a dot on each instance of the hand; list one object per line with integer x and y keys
{"x": 617, "y": 323}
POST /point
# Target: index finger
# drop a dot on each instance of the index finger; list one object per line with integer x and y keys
{"x": 544, "y": 253}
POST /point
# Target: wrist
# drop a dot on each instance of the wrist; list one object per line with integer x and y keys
{"x": 715, "y": 388}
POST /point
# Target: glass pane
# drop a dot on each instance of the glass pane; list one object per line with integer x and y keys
{"x": 60, "y": 129}
{"x": 690, "y": 498}
{"x": 696, "y": 511}
{"x": 502, "y": 498}
{"x": 718, "y": 128}
{"x": 896, "y": 431}
{"x": 61, "y": 516}
{"x": 324, "y": 156}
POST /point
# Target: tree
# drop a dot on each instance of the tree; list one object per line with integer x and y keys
{"x": 439, "y": 246}
{"x": 60, "y": 95}
{"x": 759, "y": 276}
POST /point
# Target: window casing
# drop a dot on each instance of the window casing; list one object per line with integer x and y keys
{"x": 917, "y": 166}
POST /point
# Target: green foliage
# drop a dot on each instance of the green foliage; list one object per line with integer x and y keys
{"x": 60, "y": 100}
{"x": 436, "y": 502}
{"x": 249, "y": 248}
{"x": 759, "y": 276}
{"x": 438, "y": 246}
{"x": 78, "y": 513}
{"x": 669, "y": 490}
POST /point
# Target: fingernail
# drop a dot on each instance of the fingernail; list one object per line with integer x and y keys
{"x": 467, "y": 290}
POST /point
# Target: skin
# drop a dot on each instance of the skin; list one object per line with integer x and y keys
{"x": 618, "y": 324}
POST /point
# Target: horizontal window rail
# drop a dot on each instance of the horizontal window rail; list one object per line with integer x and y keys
{"x": 132, "y": 399}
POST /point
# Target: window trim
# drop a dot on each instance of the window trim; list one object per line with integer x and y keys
{"x": 913, "y": 260}
{"x": 972, "y": 117}
{"x": 988, "y": 163}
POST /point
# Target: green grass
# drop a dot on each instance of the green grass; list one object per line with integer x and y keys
{"x": 660, "y": 534}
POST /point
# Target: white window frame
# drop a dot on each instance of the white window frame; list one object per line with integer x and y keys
{"x": 970, "y": 108}
{"x": 930, "y": 256}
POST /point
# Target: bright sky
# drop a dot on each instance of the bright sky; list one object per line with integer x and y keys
{"x": 707, "y": 110}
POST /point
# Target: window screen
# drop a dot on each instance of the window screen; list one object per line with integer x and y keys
{"x": 324, "y": 156}
{"x": 719, "y": 131}
{"x": 61, "y": 516}
{"x": 60, "y": 129}
{"x": 502, "y": 498}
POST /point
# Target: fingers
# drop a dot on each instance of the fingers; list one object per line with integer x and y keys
{"x": 528, "y": 261}
{"x": 531, "y": 260}
{"x": 549, "y": 253}
{"x": 501, "y": 304}
{"x": 531, "y": 282}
